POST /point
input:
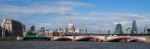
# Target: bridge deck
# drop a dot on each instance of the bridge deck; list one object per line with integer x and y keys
{"x": 107, "y": 34}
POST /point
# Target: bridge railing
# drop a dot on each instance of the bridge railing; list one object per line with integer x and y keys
{"x": 76, "y": 34}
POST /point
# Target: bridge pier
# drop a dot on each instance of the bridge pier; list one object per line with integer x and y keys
{"x": 129, "y": 38}
{"x": 52, "y": 38}
{"x": 105, "y": 38}
{"x": 147, "y": 38}
{"x": 74, "y": 38}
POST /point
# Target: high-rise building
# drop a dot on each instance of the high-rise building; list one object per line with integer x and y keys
{"x": 42, "y": 29}
{"x": 118, "y": 29}
{"x": 11, "y": 28}
{"x": 134, "y": 28}
{"x": 86, "y": 31}
{"x": 148, "y": 31}
{"x": 145, "y": 30}
{"x": 128, "y": 30}
{"x": 108, "y": 32}
{"x": 32, "y": 28}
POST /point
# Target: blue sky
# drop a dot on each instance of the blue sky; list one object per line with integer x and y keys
{"x": 91, "y": 14}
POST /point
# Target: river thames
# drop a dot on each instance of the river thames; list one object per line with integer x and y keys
{"x": 70, "y": 45}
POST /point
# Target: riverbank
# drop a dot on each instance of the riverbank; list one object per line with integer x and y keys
{"x": 8, "y": 39}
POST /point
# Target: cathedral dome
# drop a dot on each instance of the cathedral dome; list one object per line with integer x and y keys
{"x": 70, "y": 25}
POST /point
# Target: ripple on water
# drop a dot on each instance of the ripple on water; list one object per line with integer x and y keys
{"x": 70, "y": 45}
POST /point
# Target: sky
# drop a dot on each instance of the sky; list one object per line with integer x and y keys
{"x": 93, "y": 15}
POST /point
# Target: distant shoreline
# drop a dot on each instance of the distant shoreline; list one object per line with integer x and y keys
{"x": 8, "y": 39}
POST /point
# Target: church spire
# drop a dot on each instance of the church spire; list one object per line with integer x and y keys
{"x": 70, "y": 19}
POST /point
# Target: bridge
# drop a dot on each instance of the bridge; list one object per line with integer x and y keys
{"x": 93, "y": 37}
{"x": 102, "y": 38}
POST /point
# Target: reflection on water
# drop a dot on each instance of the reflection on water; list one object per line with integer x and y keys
{"x": 70, "y": 45}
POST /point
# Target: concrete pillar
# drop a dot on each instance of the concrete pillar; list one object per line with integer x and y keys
{"x": 74, "y": 38}
{"x": 95, "y": 40}
{"x": 147, "y": 38}
{"x": 100, "y": 40}
{"x": 52, "y": 38}
{"x": 105, "y": 38}
{"x": 128, "y": 36}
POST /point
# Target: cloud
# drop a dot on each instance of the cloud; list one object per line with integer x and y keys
{"x": 43, "y": 8}
{"x": 33, "y": 10}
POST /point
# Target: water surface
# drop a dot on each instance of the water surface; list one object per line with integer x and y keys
{"x": 70, "y": 45}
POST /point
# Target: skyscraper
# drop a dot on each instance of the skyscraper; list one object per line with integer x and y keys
{"x": 134, "y": 28}
{"x": 32, "y": 28}
{"x": 128, "y": 30}
{"x": 148, "y": 31}
{"x": 118, "y": 29}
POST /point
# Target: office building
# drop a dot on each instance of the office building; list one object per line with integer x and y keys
{"x": 118, "y": 29}
{"x": 11, "y": 28}
{"x": 134, "y": 28}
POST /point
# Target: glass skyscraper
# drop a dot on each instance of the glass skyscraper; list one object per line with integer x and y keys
{"x": 118, "y": 29}
{"x": 134, "y": 28}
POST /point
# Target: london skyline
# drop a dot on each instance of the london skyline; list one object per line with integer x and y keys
{"x": 93, "y": 15}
